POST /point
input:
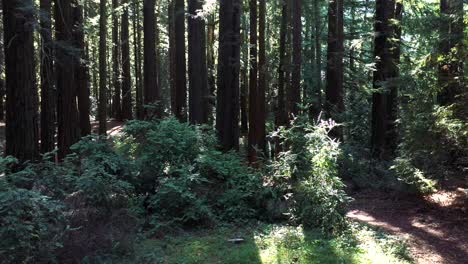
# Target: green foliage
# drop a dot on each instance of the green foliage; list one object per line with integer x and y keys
{"x": 31, "y": 226}
{"x": 412, "y": 176}
{"x": 104, "y": 176}
{"x": 185, "y": 178}
{"x": 308, "y": 172}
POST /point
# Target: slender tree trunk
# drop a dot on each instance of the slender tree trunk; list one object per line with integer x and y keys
{"x": 295, "y": 93}
{"x": 47, "y": 79}
{"x": 152, "y": 93}
{"x": 451, "y": 35}
{"x": 81, "y": 71}
{"x": 67, "y": 109}
{"x": 21, "y": 103}
{"x": 172, "y": 57}
{"x": 126, "y": 75}
{"x": 281, "y": 116}
{"x": 262, "y": 77}
{"x": 102, "y": 107}
{"x": 116, "y": 99}
{"x": 334, "y": 104}
{"x": 198, "y": 73}
{"x": 180, "y": 67}
{"x": 253, "y": 81}
{"x": 244, "y": 79}
{"x": 227, "y": 114}
{"x": 137, "y": 53}
{"x": 317, "y": 106}
{"x": 210, "y": 49}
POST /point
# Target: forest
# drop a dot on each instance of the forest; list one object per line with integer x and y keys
{"x": 233, "y": 131}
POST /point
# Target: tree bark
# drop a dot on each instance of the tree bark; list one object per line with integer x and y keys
{"x": 384, "y": 100}
{"x": 137, "y": 53}
{"x": 152, "y": 93}
{"x": 67, "y": 109}
{"x": 295, "y": 93}
{"x": 81, "y": 70}
{"x": 253, "y": 81}
{"x": 47, "y": 78}
{"x": 198, "y": 73}
{"x": 116, "y": 99}
{"x": 334, "y": 94}
{"x": 102, "y": 106}
{"x": 244, "y": 79}
{"x": 126, "y": 75}
{"x": 180, "y": 67}
{"x": 227, "y": 114}
{"x": 21, "y": 103}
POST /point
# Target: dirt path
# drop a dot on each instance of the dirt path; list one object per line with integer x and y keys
{"x": 435, "y": 226}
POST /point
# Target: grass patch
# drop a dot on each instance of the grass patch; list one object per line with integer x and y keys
{"x": 272, "y": 244}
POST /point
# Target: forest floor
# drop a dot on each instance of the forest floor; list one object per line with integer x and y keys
{"x": 435, "y": 227}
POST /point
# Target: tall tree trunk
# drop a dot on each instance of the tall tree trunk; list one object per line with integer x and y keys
{"x": 126, "y": 75}
{"x": 253, "y": 81}
{"x": 210, "y": 49}
{"x": 451, "y": 35}
{"x": 198, "y": 73}
{"x": 67, "y": 109}
{"x": 21, "y": 103}
{"x": 392, "y": 103}
{"x": 334, "y": 104}
{"x": 152, "y": 93}
{"x": 102, "y": 106}
{"x": 180, "y": 67}
{"x": 81, "y": 70}
{"x": 295, "y": 93}
{"x": 382, "y": 100}
{"x": 244, "y": 79}
{"x": 317, "y": 107}
{"x": 116, "y": 99}
{"x": 47, "y": 79}
{"x": 227, "y": 114}
{"x": 172, "y": 57}
{"x": 137, "y": 53}
{"x": 262, "y": 77}
{"x": 281, "y": 116}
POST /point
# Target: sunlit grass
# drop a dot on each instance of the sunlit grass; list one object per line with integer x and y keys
{"x": 273, "y": 244}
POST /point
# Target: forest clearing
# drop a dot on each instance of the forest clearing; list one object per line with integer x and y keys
{"x": 233, "y": 131}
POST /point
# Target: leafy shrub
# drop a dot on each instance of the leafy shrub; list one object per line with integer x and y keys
{"x": 309, "y": 173}
{"x": 185, "y": 178}
{"x": 412, "y": 176}
{"x": 31, "y": 226}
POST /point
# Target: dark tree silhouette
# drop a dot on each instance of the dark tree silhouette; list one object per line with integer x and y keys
{"x": 227, "y": 114}
{"x": 21, "y": 103}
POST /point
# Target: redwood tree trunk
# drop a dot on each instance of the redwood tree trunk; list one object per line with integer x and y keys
{"x": 295, "y": 93}
{"x": 253, "y": 81}
{"x": 244, "y": 79}
{"x": 180, "y": 67}
{"x": 47, "y": 79}
{"x": 67, "y": 109}
{"x": 152, "y": 94}
{"x": 227, "y": 114}
{"x": 81, "y": 71}
{"x": 102, "y": 107}
{"x": 126, "y": 75}
{"x": 137, "y": 53}
{"x": 383, "y": 102}
{"x": 21, "y": 103}
{"x": 334, "y": 104}
{"x": 116, "y": 100}
{"x": 198, "y": 73}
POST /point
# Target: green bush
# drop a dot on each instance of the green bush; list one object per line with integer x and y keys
{"x": 183, "y": 176}
{"x": 31, "y": 226}
{"x": 308, "y": 174}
